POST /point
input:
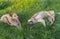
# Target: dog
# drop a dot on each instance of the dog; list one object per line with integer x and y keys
{"x": 39, "y": 17}
{"x": 11, "y": 19}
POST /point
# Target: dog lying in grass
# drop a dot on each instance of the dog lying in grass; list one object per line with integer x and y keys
{"x": 39, "y": 17}
{"x": 11, "y": 19}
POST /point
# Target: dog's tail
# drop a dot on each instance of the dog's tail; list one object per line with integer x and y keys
{"x": 58, "y": 13}
{"x": 0, "y": 19}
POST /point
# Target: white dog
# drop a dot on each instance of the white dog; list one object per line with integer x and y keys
{"x": 39, "y": 17}
{"x": 11, "y": 19}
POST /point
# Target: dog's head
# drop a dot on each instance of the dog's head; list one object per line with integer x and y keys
{"x": 15, "y": 19}
{"x": 32, "y": 21}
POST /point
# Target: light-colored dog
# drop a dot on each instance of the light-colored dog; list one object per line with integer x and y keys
{"x": 11, "y": 19}
{"x": 39, "y": 17}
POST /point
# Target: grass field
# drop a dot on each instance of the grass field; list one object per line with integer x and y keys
{"x": 25, "y": 9}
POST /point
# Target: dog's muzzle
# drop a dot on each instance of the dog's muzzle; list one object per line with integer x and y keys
{"x": 30, "y": 23}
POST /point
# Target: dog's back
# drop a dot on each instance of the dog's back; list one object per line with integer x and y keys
{"x": 46, "y": 13}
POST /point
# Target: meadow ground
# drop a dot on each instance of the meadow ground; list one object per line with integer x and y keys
{"x": 36, "y": 31}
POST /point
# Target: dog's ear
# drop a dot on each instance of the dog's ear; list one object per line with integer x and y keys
{"x": 10, "y": 15}
{"x": 14, "y": 15}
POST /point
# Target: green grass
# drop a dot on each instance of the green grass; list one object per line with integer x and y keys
{"x": 36, "y": 31}
{"x": 30, "y": 32}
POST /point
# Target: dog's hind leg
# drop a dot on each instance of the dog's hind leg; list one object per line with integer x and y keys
{"x": 52, "y": 17}
{"x": 51, "y": 20}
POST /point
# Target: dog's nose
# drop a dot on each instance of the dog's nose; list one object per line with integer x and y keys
{"x": 30, "y": 23}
